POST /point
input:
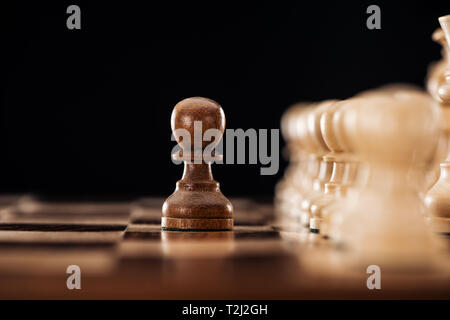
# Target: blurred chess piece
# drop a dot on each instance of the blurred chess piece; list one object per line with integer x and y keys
{"x": 288, "y": 191}
{"x": 438, "y": 198}
{"x": 426, "y": 178}
{"x": 320, "y": 160}
{"x": 395, "y": 135}
{"x": 344, "y": 171}
{"x": 310, "y": 168}
{"x": 331, "y": 188}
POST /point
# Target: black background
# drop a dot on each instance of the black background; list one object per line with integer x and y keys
{"x": 86, "y": 112}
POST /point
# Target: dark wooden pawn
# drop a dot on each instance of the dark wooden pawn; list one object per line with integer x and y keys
{"x": 197, "y": 203}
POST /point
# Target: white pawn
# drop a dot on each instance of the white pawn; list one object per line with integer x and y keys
{"x": 289, "y": 190}
{"x": 323, "y": 164}
{"x": 396, "y": 136}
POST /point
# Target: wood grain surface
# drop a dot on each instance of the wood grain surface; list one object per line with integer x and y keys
{"x": 139, "y": 260}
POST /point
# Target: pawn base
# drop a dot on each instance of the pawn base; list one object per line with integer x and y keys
{"x": 187, "y": 224}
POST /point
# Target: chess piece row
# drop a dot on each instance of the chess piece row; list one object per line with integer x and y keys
{"x": 361, "y": 169}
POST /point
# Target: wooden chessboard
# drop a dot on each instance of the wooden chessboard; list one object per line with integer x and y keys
{"x": 122, "y": 253}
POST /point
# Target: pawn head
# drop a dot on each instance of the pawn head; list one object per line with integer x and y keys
{"x": 196, "y": 116}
